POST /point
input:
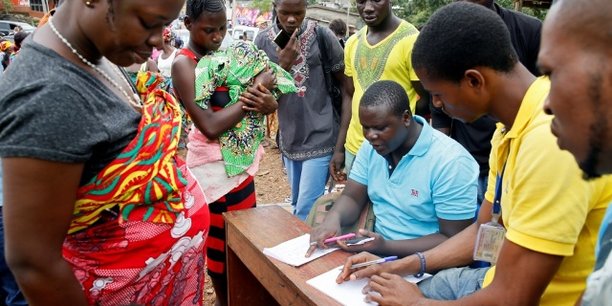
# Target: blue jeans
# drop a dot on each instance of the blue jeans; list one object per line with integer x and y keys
{"x": 9, "y": 291}
{"x": 453, "y": 284}
{"x": 349, "y": 159}
{"x": 307, "y": 180}
{"x": 483, "y": 181}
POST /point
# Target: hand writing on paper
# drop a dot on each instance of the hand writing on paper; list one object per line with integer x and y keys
{"x": 320, "y": 233}
{"x": 392, "y": 290}
{"x": 353, "y": 274}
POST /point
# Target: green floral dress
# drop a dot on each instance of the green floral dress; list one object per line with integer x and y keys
{"x": 236, "y": 68}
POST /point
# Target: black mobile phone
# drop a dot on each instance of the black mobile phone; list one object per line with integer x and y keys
{"x": 282, "y": 38}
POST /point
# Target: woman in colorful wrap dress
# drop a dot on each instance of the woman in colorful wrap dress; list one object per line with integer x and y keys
{"x": 98, "y": 209}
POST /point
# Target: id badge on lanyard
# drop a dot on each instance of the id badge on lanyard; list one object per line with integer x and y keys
{"x": 491, "y": 235}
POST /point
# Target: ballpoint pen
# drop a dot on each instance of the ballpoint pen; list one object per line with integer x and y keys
{"x": 336, "y": 238}
{"x": 373, "y": 262}
{"x": 342, "y": 237}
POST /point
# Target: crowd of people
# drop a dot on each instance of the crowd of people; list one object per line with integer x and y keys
{"x": 9, "y": 50}
{"x": 122, "y": 149}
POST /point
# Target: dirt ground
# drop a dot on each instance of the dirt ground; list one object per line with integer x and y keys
{"x": 271, "y": 186}
{"x": 271, "y": 181}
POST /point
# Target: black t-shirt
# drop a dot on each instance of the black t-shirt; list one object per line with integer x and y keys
{"x": 53, "y": 110}
{"x": 525, "y": 34}
{"x": 475, "y": 137}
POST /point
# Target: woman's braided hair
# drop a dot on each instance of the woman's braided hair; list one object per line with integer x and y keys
{"x": 195, "y": 8}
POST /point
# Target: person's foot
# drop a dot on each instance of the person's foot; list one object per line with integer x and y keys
{"x": 273, "y": 144}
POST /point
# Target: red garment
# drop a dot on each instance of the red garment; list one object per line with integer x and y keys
{"x": 188, "y": 53}
{"x": 140, "y": 226}
{"x": 241, "y": 197}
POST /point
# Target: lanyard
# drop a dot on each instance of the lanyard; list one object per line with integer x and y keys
{"x": 498, "y": 192}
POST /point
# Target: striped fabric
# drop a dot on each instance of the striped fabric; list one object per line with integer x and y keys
{"x": 241, "y": 197}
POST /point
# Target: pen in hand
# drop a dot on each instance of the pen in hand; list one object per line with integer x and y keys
{"x": 335, "y": 239}
{"x": 343, "y": 237}
{"x": 373, "y": 262}
{"x": 313, "y": 244}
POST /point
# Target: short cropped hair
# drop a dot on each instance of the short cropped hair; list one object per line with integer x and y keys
{"x": 461, "y": 36}
{"x": 19, "y": 37}
{"x": 277, "y": 2}
{"x": 388, "y": 93}
{"x": 195, "y": 8}
{"x": 338, "y": 27}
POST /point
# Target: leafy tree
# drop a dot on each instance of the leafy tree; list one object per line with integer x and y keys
{"x": 417, "y": 12}
{"x": 7, "y": 6}
{"x": 262, "y": 5}
{"x": 538, "y": 13}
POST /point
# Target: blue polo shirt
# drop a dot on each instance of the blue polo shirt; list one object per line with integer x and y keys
{"x": 436, "y": 179}
{"x": 1, "y": 194}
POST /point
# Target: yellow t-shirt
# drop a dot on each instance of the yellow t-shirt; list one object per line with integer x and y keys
{"x": 387, "y": 60}
{"x": 546, "y": 205}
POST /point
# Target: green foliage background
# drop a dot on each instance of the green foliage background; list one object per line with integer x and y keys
{"x": 418, "y": 11}
{"x": 262, "y": 5}
{"x": 415, "y": 11}
{"x": 266, "y": 5}
{"x": 7, "y": 6}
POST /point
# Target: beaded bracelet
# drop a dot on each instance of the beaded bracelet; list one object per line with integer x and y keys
{"x": 423, "y": 265}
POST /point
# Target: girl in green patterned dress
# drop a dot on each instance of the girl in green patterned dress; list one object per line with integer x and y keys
{"x": 227, "y": 98}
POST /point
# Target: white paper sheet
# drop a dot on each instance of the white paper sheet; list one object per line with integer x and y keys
{"x": 292, "y": 251}
{"x": 348, "y": 293}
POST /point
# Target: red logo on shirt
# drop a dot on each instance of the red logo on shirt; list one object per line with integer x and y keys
{"x": 414, "y": 193}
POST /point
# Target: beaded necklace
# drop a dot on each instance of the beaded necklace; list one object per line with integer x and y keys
{"x": 134, "y": 100}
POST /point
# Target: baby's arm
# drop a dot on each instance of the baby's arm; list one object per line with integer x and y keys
{"x": 265, "y": 78}
{"x": 258, "y": 96}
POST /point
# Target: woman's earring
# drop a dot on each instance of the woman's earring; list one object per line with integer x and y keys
{"x": 88, "y": 3}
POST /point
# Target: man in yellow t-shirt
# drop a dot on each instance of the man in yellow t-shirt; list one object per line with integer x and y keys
{"x": 550, "y": 214}
{"x": 379, "y": 51}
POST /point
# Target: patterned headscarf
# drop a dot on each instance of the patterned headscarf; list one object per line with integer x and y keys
{"x": 5, "y": 45}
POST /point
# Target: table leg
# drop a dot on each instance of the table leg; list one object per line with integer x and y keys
{"x": 243, "y": 287}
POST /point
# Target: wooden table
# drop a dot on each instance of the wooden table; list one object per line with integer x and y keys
{"x": 256, "y": 279}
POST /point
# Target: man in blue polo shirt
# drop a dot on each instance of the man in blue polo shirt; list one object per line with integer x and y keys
{"x": 422, "y": 184}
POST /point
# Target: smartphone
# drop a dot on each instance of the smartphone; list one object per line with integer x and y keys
{"x": 358, "y": 240}
{"x": 282, "y": 38}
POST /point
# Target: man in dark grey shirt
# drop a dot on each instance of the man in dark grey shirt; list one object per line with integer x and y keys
{"x": 308, "y": 127}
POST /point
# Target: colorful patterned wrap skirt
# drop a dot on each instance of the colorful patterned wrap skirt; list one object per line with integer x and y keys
{"x": 140, "y": 226}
